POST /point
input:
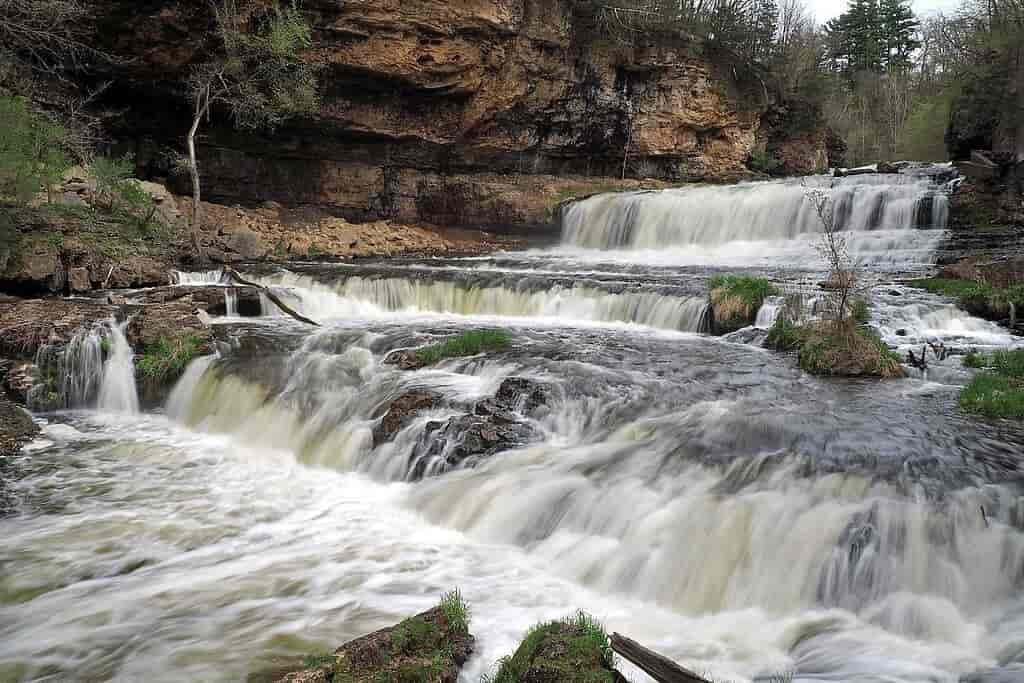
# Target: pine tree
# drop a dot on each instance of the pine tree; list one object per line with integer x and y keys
{"x": 898, "y": 28}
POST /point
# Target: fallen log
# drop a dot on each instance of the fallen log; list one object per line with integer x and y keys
{"x": 233, "y": 275}
{"x": 658, "y": 667}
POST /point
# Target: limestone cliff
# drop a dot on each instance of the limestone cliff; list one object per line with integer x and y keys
{"x": 454, "y": 112}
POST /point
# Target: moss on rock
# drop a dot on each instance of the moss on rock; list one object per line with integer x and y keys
{"x": 430, "y": 647}
{"x": 574, "y": 650}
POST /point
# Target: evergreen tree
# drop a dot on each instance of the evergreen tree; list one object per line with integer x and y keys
{"x": 898, "y": 29}
{"x": 765, "y": 25}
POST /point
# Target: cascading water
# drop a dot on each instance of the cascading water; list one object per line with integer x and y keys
{"x": 703, "y": 496}
{"x": 118, "y": 393}
{"x": 94, "y": 369}
{"x": 209, "y": 277}
{"x": 889, "y": 220}
{"x": 231, "y": 303}
{"x": 355, "y": 295}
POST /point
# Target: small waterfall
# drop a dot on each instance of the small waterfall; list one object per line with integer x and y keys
{"x": 118, "y": 393}
{"x": 359, "y": 296}
{"x": 710, "y": 216}
{"x": 209, "y": 277}
{"x": 231, "y": 302}
{"x": 179, "y": 402}
{"x": 70, "y": 376}
{"x": 769, "y": 312}
{"x": 95, "y": 368}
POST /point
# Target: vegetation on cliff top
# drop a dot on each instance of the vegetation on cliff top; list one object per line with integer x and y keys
{"x": 998, "y": 391}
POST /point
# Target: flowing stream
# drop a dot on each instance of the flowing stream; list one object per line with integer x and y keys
{"x": 701, "y": 495}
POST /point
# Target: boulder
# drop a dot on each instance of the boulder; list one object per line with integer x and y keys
{"x": 522, "y": 395}
{"x": 16, "y": 427}
{"x": 467, "y": 440}
{"x": 78, "y": 280}
{"x": 398, "y": 413}
{"x": 427, "y": 647}
{"x": 405, "y": 359}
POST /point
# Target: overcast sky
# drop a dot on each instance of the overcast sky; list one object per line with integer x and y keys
{"x": 826, "y": 9}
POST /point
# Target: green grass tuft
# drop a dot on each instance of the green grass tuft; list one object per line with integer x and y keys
{"x": 999, "y": 391}
{"x": 469, "y": 343}
{"x": 456, "y": 611}
{"x": 575, "y": 649}
{"x": 976, "y": 298}
{"x": 167, "y": 359}
{"x": 994, "y": 395}
{"x": 752, "y": 291}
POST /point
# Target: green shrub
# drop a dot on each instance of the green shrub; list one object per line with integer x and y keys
{"x": 784, "y": 335}
{"x": 166, "y": 360}
{"x": 32, "y": 150}
{"x": 456, "y": 611}
{"x": 116, "y": 187}
{"x": 975, "y": 360}
{"x": 976, "y": 298}
{"x": 469, "y": 343}
{"x": 763, "y": 162}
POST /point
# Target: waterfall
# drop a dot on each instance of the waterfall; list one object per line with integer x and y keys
{"x": 709, "y": 216}
{"x": 70, "y": 375}
{"x": 209, "y": 277}
{"x": 769, "y": 312}
{"x": 231, "y": 302}
{"x": 179, "y": 402}
{"x": 118, "y": 393}
{"x": 95, "y": 368}
{"x": 359, "y": 296}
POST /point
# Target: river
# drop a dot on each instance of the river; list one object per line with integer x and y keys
{"x": 700, "y": 494}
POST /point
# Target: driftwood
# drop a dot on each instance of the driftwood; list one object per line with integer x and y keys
{"x": 233, "y": 275}
{"x": 658, "y": 667}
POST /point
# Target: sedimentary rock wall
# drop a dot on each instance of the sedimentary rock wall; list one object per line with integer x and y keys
{"x": 426, "y": 103}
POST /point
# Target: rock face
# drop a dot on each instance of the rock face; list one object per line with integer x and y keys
{"x": 440, "y": 112}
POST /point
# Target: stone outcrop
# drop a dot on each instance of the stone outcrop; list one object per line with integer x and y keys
{"x": 455, "y": 113}
{"x": 427, "y": 647}
{"x": 397, "y": 414}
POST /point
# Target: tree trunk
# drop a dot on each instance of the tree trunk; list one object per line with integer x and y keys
{"x": 193, "y": 167}
{"x": 233, "y": 275}
{"x": 658, "y": 667}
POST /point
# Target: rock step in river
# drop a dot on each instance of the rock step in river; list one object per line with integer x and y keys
{"x": 704, "y": 496}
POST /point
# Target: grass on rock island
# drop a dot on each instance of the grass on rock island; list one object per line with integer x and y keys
{"x": 469, "y": 343}
{"x": 574, "y": 650}
{"x": 997, "y": 391}
{"x": 984, "y": 301}
{"x": 166, "y": 360}
{"x": 736, "y": 299}
{"x": 841, "y": 348}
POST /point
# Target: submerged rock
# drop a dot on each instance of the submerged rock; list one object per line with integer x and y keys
{"x": 396, "y": 415}
{"x": 405, "y": 359}
{"x": 522, "y": 395}
{"x": 466, "y": 440}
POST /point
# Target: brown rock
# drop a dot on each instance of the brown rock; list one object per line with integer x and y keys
{"x": 78, "y": 280}
{"x": 399, "y": 412}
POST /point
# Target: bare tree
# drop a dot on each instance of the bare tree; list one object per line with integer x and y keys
{"x": 258, "y": 74}
{"x": 843, "y": 279}
{"x": 46, "y": 35}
